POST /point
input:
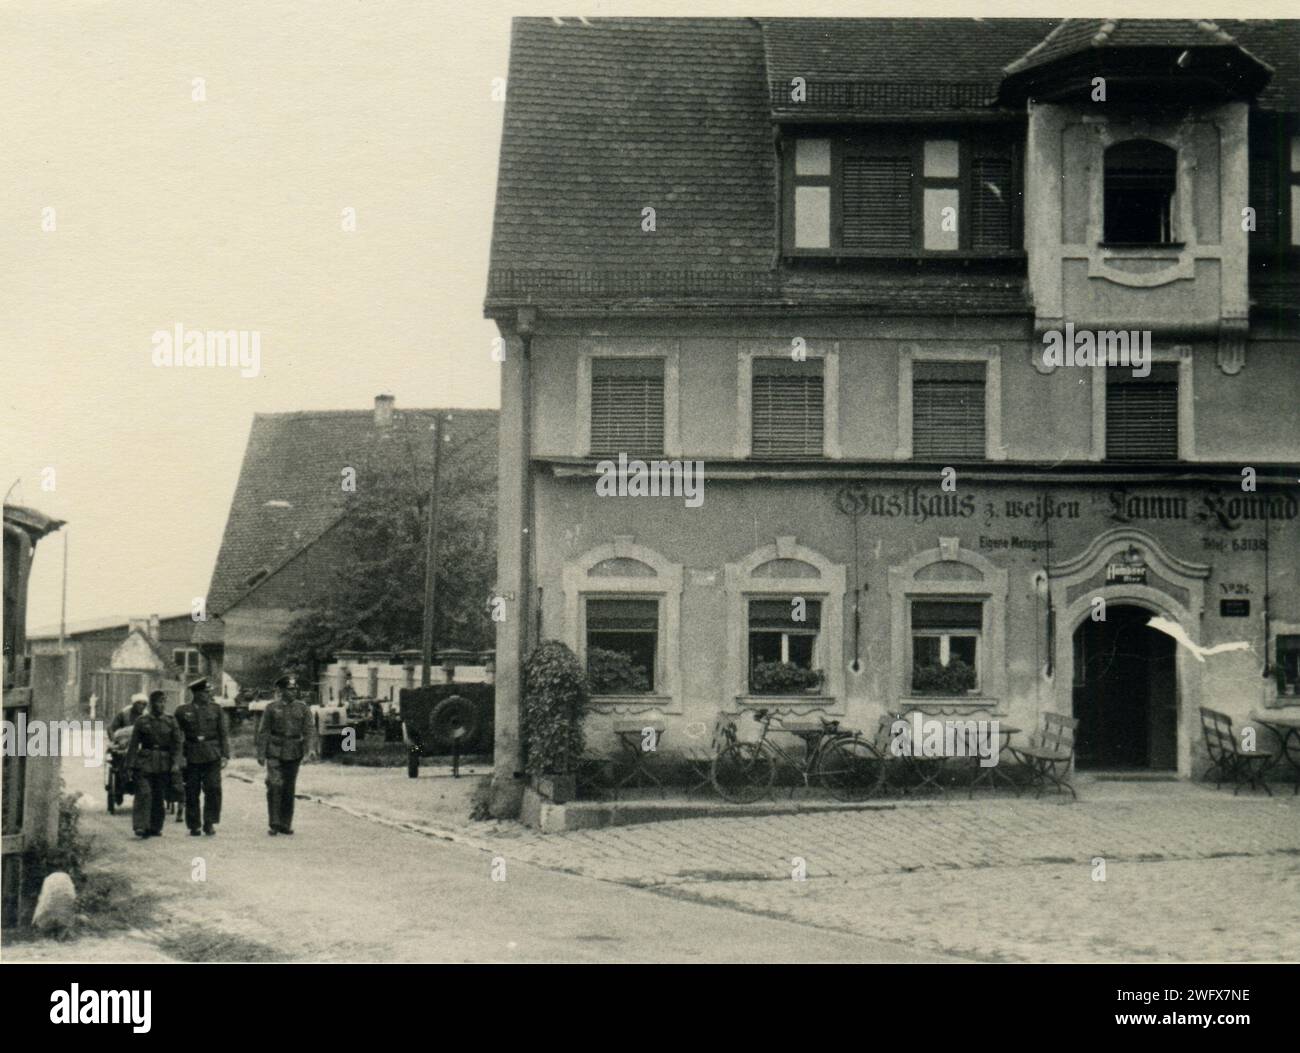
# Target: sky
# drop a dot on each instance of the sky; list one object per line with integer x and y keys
{"x": 226, "y": 213}
{"x": 181, "y": 162}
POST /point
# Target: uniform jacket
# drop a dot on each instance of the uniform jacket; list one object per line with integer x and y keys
{"x": 287, "y": 730}
{"x": 206, "y": 735}
{"x": 155, "y": 745}
{"x": 125, "y": 719}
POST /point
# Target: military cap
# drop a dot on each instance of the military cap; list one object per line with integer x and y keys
{"x": 155, "y": 695}
{"x": 201, "y": 684}
{"x": 283, "y": 680}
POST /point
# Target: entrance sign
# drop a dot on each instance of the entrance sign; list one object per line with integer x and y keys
{"x": 1126, "y": 574}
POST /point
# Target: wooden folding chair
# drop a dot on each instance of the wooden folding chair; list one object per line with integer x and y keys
{"x": 1050, "y": 754}
{"x": 1228, "y": 761}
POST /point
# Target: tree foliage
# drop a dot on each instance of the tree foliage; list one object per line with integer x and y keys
{"x": 373, "y": 597}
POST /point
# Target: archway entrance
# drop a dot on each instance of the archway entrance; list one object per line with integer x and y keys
{"x": 1125, "y": 693}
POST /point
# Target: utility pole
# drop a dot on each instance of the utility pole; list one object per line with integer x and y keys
{"x": 63, "y": 607}
{"x": 430, "y": 556}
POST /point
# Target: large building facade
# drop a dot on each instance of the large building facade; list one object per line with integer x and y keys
{"x": 860, "y": 272}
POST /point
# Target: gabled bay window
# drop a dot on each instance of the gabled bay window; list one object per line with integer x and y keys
{"x": 900, "y": 192}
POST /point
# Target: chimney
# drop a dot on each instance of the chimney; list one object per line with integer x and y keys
{"x": 383, "y": 410}
{"x": 155, "y": 627}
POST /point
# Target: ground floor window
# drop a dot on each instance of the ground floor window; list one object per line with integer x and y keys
{"x": 1288, "y": 665}
{"x": 783, "y": 645}
{"x": 946, "y": 646}
{"x": 622, "y": 645}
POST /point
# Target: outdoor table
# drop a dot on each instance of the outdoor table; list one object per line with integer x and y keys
{"x": 1287, "y": 729}
{"x": 630, "y": 736}
{"x": 994, "y": 772}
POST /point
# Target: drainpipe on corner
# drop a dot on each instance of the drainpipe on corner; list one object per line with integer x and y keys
{"x": 514, "y": 552}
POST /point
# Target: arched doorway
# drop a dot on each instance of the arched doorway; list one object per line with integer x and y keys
{"x": 1125, "y": 693}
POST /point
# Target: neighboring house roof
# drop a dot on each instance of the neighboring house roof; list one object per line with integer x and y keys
{"x": 93, "y": 625}
{"x": 139, "y": 643}
{"x": 290, "y": 486}
{"x": 606, "y": 117}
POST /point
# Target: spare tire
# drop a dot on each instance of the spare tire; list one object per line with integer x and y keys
{"x": 454, "y": 723}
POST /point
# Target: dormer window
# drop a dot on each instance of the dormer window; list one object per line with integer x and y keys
{"x": 1141, "y": 176}
{"x": 901, "y": 192}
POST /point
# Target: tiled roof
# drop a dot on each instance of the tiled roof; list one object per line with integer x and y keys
{"x": 290, "y": 485}
{"x": 893, "y": 65}
{"x": 607, "y": 117}
{"x": 1074, "y": 35}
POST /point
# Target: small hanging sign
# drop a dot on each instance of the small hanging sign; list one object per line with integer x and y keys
{"x": 1126, "y": 574}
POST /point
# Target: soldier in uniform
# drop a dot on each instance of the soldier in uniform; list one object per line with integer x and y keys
{"x": 286, "y": 735}
{"x": 155, "y": 757}
{"x": 207, "y": 749}
{"x": 128, "y": 716}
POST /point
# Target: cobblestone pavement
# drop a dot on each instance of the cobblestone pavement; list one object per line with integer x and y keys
{"x": 1194, "y": 824}
{"x": 1190, "y": 874}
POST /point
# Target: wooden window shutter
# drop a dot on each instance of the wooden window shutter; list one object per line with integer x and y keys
{"x": 627, "y": 405}
{"x": 1142, "y": 414}
{"x": 947, "y": 615}
{"x": 876, "y": 203}
{"x": 787, "y": 408}
{"x": 948, "y": 411}
{"x": 992, "y": 199}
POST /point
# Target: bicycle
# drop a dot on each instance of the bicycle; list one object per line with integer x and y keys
{"x": 841, "y": 760}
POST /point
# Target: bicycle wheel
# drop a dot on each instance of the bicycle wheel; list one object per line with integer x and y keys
{"x": 743, "y": 772}
{"x": 850, "y": 769}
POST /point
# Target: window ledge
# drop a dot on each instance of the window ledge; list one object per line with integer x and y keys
{"x": 972, "y": 701}
{"x": 759, "y": 701}
{"x": 903, "y": 254}
{"x": 1142, "y": 246}
{"x": 637, "y": 699}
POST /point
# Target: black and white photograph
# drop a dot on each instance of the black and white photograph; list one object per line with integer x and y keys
{"x": 674, "y": 484}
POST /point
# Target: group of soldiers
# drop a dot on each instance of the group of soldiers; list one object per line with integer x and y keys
{"x": 192, "y": 745}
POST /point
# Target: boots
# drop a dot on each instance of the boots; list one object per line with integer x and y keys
{"x": 286, "y": 814}
{"x": 273, "y": 809}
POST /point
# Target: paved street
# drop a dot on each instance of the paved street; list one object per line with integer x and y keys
{"x": 349, "y": 889}
{"x": 397, "y": 873}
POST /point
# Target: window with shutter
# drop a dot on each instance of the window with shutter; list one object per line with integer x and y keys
{"x": 776, "y": 638}
{"x": 788, "y": 405}
{"x": 1264, "y": 186}
{"x": 622, "y": 645}
{"x": 1142, "y": 414}
{"x": 876, "y": 206}
{"x": 945, "y": 646}
{"x": 627, "y": 406}
{"x": 948, "y": 411}
{"x": 991, "y": 197}
{"x": 901, "y": 192}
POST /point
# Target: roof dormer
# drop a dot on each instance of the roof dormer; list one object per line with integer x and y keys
{"x": 1146, "y": 60}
